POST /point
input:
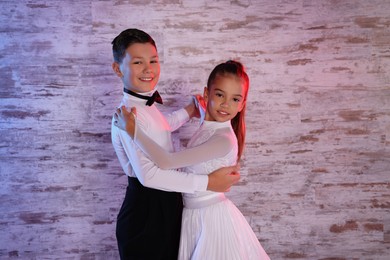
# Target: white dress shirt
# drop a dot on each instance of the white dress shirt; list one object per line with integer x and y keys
{"x": 158, "y": 128}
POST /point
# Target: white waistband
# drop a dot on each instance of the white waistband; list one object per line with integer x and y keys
{"x": 201, "y": 202}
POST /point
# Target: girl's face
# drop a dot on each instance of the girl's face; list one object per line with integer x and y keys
{"x": 225, "y": 98}
{"x": 140, "y": 68}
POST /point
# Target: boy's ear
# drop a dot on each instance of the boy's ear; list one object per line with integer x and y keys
{"x": 116, "y": 68}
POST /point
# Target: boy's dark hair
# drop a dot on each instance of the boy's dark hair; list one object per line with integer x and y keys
{"x": 127, "y": 38}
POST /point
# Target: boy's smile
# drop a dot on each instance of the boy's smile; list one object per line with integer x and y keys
{"x": 140, "y": 68}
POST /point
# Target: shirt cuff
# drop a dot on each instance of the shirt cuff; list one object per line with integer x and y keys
{"x": 201, "y": 182}
{"x": 182, "y": 115}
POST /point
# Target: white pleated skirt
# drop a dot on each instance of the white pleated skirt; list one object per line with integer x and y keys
{"x": 217, "y": 232}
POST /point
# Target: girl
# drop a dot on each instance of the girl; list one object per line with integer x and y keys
{"x": 212, "y": 226}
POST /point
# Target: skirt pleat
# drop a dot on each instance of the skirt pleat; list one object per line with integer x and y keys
{"x": 218, "y": 232}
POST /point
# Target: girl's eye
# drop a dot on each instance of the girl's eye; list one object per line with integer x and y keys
{"x": 218, "y": 94}
{"x": 136, "y": 62}
{"x": 236, "y": 100}
{"x": 154, "y": 61}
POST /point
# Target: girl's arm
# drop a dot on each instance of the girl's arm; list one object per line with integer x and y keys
{"x": 217, "y": 146}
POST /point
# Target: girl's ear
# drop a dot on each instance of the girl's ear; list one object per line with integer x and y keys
{"x": 116, "y": 68}
{"x": 205, "y": 95}
{"x": 242, "y": 106}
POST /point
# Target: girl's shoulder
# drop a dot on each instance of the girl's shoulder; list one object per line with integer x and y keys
{"x": 226, "y": 134}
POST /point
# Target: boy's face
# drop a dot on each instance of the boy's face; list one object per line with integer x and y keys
{"x": 140, "y": 68}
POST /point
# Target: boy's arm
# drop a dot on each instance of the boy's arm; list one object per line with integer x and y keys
{"x": 177, "y": 118}
{"x": 181, "y": 116}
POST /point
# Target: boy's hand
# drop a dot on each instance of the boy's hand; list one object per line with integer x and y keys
{"x": 222, "y": 179}
{"x": 191, "y": 109}
{"x": 197, "y": 107}
{"x": 125, "y": 120}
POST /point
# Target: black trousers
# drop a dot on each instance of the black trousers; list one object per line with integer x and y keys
{"x": 148, "y": 223}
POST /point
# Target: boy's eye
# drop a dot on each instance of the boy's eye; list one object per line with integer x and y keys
{"x": 136, "y": 62}
{"x": 236, "y": 100}
{"x": 154, "y": 61}
{"x": 218, "y": 94}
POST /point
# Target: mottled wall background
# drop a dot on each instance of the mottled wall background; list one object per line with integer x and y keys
{"x": 315, "y": 176}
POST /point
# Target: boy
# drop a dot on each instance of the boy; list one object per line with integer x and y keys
{"x": 148, "y": 224}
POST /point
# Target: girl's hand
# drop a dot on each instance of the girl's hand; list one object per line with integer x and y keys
{"x": 125, "y": 120}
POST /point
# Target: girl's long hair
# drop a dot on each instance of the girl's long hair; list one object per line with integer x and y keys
{"x": 234, "y": 68}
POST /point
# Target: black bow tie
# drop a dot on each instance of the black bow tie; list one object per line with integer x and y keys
{"x": 150, "y": 100}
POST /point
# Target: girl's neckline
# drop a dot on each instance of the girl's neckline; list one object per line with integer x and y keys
{"x": 216, "y": 124}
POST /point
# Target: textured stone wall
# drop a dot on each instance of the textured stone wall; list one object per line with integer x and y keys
{"x": 316, "y": 170}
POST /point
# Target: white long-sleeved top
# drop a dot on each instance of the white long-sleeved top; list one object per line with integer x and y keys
{"x": 213, "y": 145}
{"x": 134, "y": 162}
{"x": 214, "y": 140}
